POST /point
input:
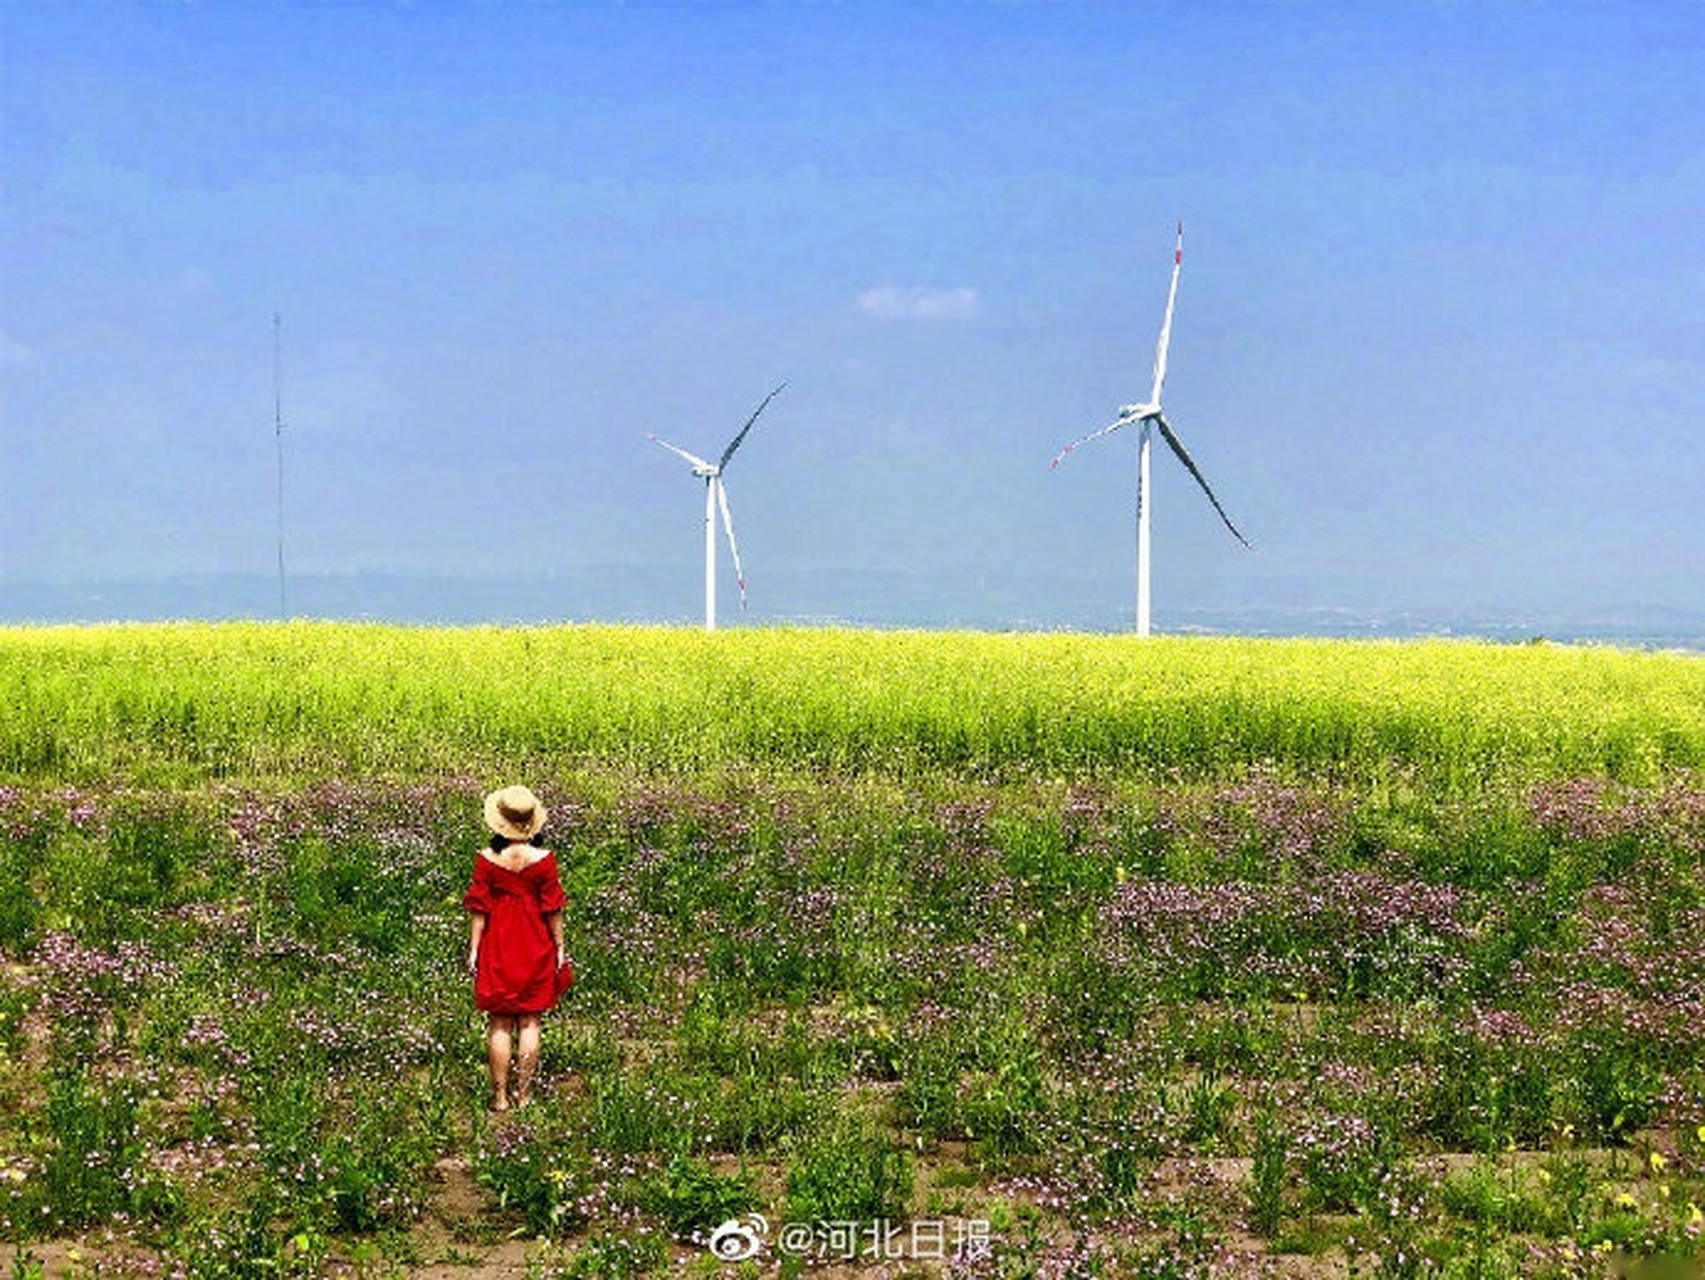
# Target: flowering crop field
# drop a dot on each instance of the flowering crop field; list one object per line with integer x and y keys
{"x": 302, "y": 699}
{"x": 968, "y": 955}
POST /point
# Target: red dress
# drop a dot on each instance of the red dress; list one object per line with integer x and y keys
{"x": 517, "y": 961}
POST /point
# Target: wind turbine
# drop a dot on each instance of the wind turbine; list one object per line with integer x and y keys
{"x": 1148, "y": 416}
{"x": 716, "y": 497}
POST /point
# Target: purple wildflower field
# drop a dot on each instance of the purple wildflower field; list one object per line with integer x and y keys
{"x": 911, "y": 1024}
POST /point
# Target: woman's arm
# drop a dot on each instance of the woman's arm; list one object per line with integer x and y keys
{"x": 553, "y": 922}
{"x": 476, "y": 931}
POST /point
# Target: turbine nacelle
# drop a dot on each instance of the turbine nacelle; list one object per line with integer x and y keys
{"x": 702, "y": 469}
{"x": 1132, "y": 412}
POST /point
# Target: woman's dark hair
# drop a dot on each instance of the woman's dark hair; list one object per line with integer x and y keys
{"x": 499, "y": 843}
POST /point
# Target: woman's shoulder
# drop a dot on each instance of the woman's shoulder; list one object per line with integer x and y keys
{"x": 532, "y": 857}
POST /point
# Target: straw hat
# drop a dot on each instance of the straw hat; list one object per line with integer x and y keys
{"x": 514, "y": 813}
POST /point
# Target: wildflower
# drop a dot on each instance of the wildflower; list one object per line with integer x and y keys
{"x": 1695, "y": 1215}
{"x": 1625, "y": 1201}
{"x": 1658, "y": 1161}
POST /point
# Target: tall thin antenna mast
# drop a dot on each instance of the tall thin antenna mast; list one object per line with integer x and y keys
{"x": 278, "y": 436}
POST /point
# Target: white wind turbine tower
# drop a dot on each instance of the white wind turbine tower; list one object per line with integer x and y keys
{"x": 1149, "y": 416}
{"x": 716, "y": 496}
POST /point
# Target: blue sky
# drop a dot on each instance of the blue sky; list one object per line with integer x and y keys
{"x": 1440, "y": 339}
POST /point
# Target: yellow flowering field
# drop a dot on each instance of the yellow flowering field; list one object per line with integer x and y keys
{"x": 245, "y": 698}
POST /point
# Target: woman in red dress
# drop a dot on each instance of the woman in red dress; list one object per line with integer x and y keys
{"x": 515, "y": 950}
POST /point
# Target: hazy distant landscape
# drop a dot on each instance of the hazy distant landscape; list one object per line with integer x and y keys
{"x": 621, "y": 593}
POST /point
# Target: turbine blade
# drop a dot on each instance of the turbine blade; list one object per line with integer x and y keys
{"x": 1166, "y": 323}
{"x": 733, "y": 546}
{"x": 1093, "y": 435}
{"x": 680, "y": 452}
{"x": 735, "y": 443}
{"x": 1189, "y": 465}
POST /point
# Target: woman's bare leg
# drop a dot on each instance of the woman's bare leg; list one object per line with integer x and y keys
{"x": 499, "y": 1041}
{"x": 526, "y": 1056}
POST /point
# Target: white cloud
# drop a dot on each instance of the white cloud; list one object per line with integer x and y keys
{"x": 894, "y": 302}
